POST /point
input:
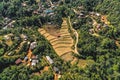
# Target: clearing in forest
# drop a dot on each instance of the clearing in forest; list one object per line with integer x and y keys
{"x": 63, "y": 43}
{"x": 60, "y": 40}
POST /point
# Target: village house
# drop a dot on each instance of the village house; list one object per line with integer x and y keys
{"x": 91, "y": 31}
{"x": 18, "y": 61}
{"x": 75, "y": 22}
{"x": 7, "y": 37}
{"x": 34, "y": 60}
{"x": 81, "y": 15}
{"x": 51, "y": 14}
{"x": 24, "y": 4}
{"x": 33, "y": 45}
{"x": 35, "y": 12}
{"x": 47, "y": 11}
{"x": 97, "y": 14}
{"x": 26, "y": 58}
{"x": 49, "y": 59}
{"x": 24, "y": 37}
{"x": 56, "y": 69}
{"x": 98, "y": 27}
{"x": 9, "y": 53}
{"x": 9, "y": 24}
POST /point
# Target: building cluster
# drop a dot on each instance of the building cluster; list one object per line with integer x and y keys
{"x": 24, "y": 37}
{"x": 34, "y": 60}
{"x": 98, "y": 26}
{"x": 56, "y": 69}
{"x": 33, "y": 45}
{"x": 30, "y": 58}
{"x": 45, "y": 10}
{"x": 11, "y": 36}
{"x": 94, "y": 14}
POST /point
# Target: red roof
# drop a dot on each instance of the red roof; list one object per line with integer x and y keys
{"x": 18, "y": 61}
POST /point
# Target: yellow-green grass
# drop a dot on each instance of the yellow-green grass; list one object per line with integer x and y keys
{"x": 67, "y": 57}
{"x": 9, "y": 42}
{"x": 20, "y": 46}
{"x": 83, "y": 63}
{"x": 1, "y": 37}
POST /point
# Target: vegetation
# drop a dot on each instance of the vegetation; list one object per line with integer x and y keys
{"x": 23, "y": 35}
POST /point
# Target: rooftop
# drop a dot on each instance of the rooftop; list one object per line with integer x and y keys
{"x": 49, "y": 59}
{"x": 18, "y": 61}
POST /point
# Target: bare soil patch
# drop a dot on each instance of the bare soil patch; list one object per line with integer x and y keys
{"x": 52, "y": 30}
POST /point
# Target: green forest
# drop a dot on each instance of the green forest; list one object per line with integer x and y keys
{"x": 27, "y": 51}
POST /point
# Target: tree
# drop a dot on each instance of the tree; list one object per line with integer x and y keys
{"x": 1, "y": 51}
{"x": 116, "y": 68}
{"x": 108, "y": 44}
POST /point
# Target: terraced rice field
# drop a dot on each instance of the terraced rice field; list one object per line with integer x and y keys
{"x": 63, "y": 44}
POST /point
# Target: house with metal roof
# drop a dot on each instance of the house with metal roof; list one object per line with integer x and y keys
{"x": 34, "y": 60}
{"x": 56, "y": 69}
{"x": 49, "y": 59}
{"x": 48, "y": 11}
{"x": 33, "y": 45}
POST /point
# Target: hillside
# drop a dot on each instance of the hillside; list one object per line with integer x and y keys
{"x": 59, "y": 40}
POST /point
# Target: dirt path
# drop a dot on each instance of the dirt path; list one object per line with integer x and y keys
{"x": 51, "y": 3}
{"x": 117, "y": 43}
{"x": 75, "y": 11}
{"x": 76, "y": 35}
{"x": 19, "y": 47}
{"x": 29, "y": 55}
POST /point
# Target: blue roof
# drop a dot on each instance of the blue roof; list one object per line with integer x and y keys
{"x": 48, "y": 11}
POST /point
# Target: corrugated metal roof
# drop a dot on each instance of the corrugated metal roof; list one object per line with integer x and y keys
{"x": 49, "y": 59}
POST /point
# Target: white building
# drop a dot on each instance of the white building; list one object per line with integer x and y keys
{"x": 33, "y": 45}
{"x": 49, "y": 59}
